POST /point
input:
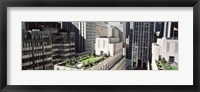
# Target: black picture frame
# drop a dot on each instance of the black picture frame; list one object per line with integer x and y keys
{"x": 98, "y": 3}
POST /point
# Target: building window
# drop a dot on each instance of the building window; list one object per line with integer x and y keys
{"x": 159, "y": 57}
{"x": 134, "y": 64}
{"x": 27, "y": 44}
{"x": 171, "y": 59}
{"x": 101, "y": 52}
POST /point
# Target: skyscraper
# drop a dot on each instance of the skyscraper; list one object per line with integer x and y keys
{"x": 37, "y": 45}
{"x": 63, "y": 44}
{"x": 36, "y": 50}
{"x": 117, "y": 30}
{"x": 44, "y": 44}
{"x": 141, "y": 40}
{"x": 90, "y": 36}
{"x": 86, "y": 32}
{"x": 113, "y": 32}
{"x": 101, "y": 29}
{"x": 80, "y": 30}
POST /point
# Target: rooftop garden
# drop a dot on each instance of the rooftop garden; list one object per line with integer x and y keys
{"x": 84, "y": 61}
{"x": 164, "y": 65}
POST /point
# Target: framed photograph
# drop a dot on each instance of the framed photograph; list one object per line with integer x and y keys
{"x": 87, "y": 45}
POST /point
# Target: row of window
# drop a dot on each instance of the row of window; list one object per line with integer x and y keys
{"x": 142, "y": 23}
{"x": 63, "y": 52}
{"x": 37, "y": 37}
{"x": 142, "y": 29}
{"x": 39, "y": 50}
{"x": 63, "y": 47}
{"x": 38, "y": 57}
{"x": 39, "y": 66}
{"x": 34, "y": 44}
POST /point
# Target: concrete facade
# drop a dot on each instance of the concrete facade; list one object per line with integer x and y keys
{"x": 110, "y": 63}
{"x": 109, "y": 46}
{"x": 165, "y": 48}
{"x": 115, "y": 62}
